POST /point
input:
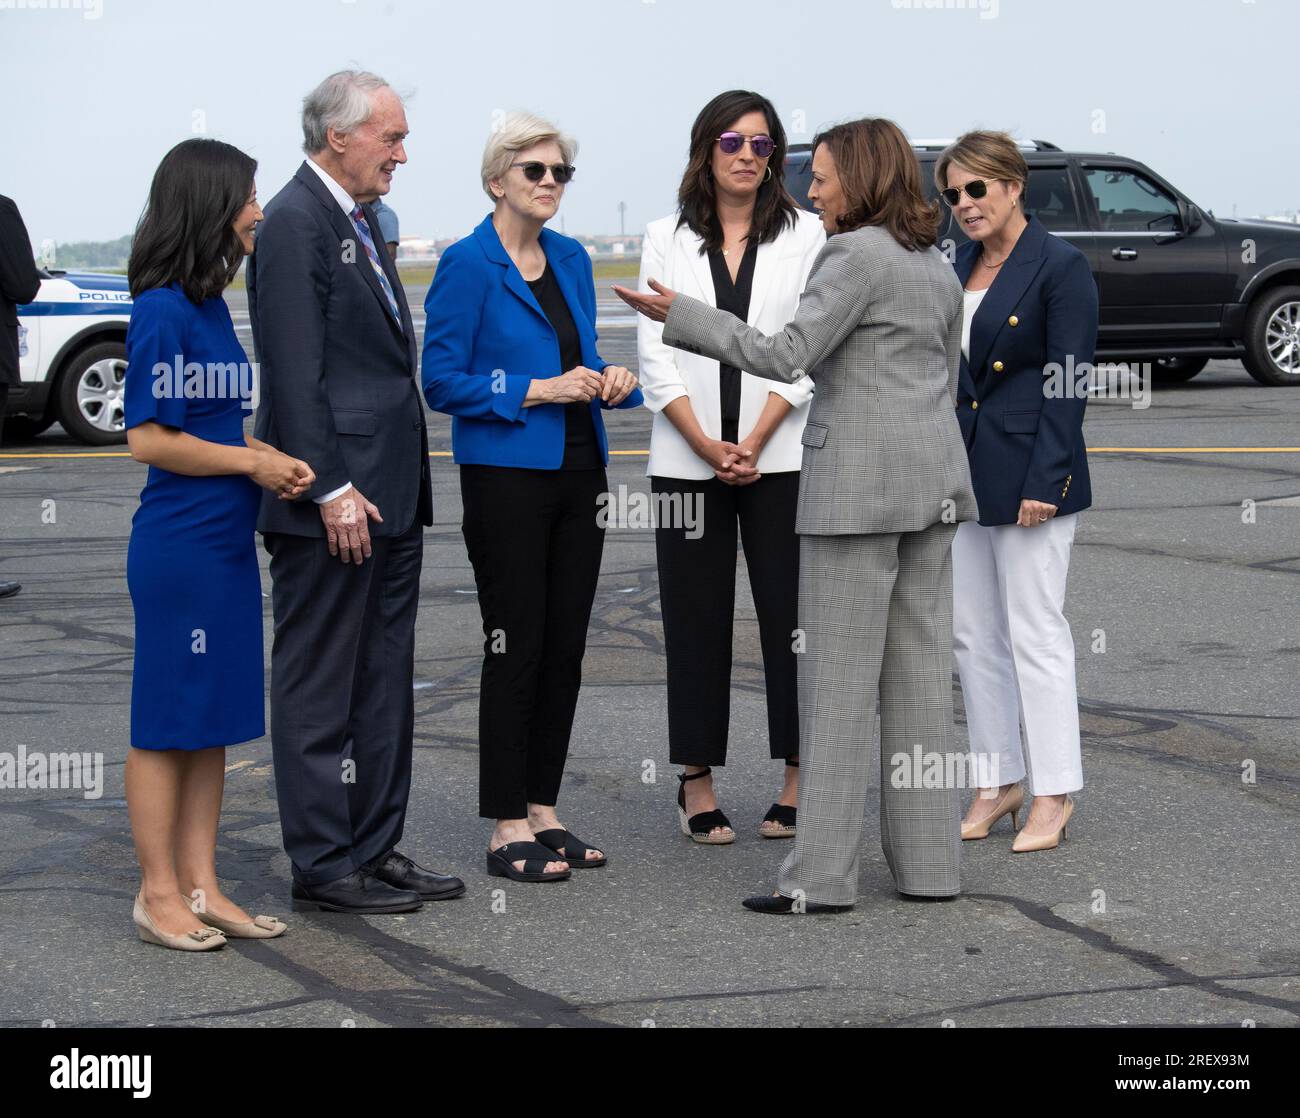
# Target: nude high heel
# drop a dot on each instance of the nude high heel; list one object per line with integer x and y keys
{"x": 1009, "y": 803}
{"x": 208, "y": 939}
{"x": 1025, "y": 842}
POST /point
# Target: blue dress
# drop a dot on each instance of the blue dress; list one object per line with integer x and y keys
{"x": 192, "y": 561}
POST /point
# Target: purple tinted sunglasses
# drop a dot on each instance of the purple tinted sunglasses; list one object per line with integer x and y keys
{"x": 731, "y": 142}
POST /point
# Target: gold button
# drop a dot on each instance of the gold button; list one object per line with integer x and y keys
{"x": 974, "y": 404}
{"x": 1013, "y": 321}
{"x": 997, "y": 366}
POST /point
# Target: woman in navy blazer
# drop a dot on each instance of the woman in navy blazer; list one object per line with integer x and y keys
{"x": 1029, "y": 332}
{"x": 510, "y": 354}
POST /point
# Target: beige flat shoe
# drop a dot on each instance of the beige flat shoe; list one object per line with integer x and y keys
{"x": 207, "y": 939}
{"x": 260, "y": 927}
{"x": 1009, "y": 803}
{"x": 1025, "y": 842}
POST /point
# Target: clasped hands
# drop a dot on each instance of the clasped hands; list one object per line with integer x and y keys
{"x": 732, "y": 463}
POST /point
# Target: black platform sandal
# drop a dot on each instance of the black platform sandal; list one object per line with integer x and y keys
{"x": 780, "y": 814}
{"x": 698, "y": 826}
{"x": 535, "y": 856}
{"x": 570, "y": 848}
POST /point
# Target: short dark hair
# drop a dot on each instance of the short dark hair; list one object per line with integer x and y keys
{"x": 881, "y": 180}
{"x": 774, "y": 209}
{"x": 185, "y": 234}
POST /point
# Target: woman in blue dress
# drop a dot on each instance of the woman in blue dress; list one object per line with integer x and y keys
{"x": 192, "y": 561}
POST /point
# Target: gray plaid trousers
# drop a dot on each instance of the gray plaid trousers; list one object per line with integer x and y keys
{"x": 876, "y": 612}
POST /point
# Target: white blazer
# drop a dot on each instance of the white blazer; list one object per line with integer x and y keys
{"x": 672, "y": 256}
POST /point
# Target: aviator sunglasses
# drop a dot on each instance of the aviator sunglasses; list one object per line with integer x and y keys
{"x": 535, "y": 171}
{"x": 976, "y": 188}
{"x": 731, "y": 142}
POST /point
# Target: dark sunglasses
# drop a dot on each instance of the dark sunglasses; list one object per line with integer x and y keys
{"x": 976, "y": 188}
{"x": 535, "y": 171}
{"x": 731, "y": 142}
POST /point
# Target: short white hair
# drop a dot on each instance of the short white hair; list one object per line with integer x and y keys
{"x": 343, "y": 101}
{"x": 517, "y": 132}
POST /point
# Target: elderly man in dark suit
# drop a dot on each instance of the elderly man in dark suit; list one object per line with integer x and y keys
{"x": 337, "y": 350}
{"x": 19, "y": 283}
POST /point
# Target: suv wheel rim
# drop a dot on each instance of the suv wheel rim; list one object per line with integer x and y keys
{"x": 1282, "y": 338}
{"x": 100, "y": 395}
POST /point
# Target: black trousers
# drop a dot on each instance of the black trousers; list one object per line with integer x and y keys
{"x": 697, "y": 592}
{"x": 535, "y": 545}
{"x": 342, "y": 706}
{"x": 4, "y": 400}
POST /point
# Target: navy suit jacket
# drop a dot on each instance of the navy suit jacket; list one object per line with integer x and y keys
{"x": 1021, "y": 395}
{"x": 19, "y": 283}
{"x": 486, "y": 337}
{"x": 337, "y": 370}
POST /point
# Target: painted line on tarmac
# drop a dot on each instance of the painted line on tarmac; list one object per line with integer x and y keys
{"x": 645, "y": 453}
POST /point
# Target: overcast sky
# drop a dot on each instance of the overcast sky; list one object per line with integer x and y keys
{"x": 1202, "y": 91}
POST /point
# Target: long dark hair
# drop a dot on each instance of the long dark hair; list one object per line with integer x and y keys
{"x": 185, "y": 233}
{"x": 881, "y": 180}
{"x": 774, "y": 209}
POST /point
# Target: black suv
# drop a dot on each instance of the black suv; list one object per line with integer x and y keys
{"x": 1177, "y": 284}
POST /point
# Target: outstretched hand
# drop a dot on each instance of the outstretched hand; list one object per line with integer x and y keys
{"x": 652, "y": 306}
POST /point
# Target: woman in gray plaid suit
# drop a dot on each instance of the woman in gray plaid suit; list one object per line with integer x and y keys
{"x": 884, "y": 483}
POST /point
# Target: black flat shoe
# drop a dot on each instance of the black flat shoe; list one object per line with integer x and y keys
{"x": 9, "y": 589}
{"x": 570, "y": 848}
{"x": 397, "y": 870}
{"x": 784, "y": 818}
{"x": 360, "y": 893}
{"x": 500, "y": 862}
{"x": 697, "y": 827}
{"x": 779, "y": 905}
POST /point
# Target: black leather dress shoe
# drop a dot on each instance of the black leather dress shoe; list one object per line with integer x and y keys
{"x": 397, "y": 870}
{"x": 360, "y": 892}
{"x": 782, "y": 906}
{"x": 9, "y": 589}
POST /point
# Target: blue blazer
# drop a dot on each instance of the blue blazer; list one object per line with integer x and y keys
{"x": 1021, "y": 418}
{"x": 486, "y": 338}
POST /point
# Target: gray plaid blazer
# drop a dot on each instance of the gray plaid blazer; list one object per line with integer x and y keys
{"x": 879, "y": 331}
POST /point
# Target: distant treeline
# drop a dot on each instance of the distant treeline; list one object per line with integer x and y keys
{"x": 101, "y": 255}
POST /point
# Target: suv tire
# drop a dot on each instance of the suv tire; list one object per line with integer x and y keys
{"x": 1273, "y": 337}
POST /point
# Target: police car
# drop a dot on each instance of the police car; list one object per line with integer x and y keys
{"x": 72, "y": 358}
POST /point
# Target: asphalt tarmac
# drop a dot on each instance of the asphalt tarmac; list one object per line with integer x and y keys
{"x": 1173, "y": 902}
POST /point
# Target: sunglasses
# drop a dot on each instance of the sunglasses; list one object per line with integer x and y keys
{"x": 535, "y": 171}
{"x": 976, "y": 188}
{"x": 731, "y": 142}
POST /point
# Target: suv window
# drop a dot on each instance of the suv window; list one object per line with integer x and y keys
{"x": 1127, "y": 201}
{"x": 1050, "y": 198}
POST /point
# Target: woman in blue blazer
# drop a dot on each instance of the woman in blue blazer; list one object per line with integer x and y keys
{"x": 1028, "y": 336}
{"x": 510, "y": 354}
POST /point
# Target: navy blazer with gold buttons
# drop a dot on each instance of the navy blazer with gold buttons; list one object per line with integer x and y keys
{"x": 1022, "y": 393}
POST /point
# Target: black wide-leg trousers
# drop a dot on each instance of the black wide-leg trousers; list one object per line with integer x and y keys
{"x": 697, "y": 592}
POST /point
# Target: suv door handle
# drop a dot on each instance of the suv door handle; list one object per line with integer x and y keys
{"x": 1124, "y": 253}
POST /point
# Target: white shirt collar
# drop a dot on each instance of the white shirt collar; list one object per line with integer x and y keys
{"x": 341, "y": 196}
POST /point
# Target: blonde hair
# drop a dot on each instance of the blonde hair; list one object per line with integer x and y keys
{"x": 517, "y": 132}
{"x": 991, "y": 155}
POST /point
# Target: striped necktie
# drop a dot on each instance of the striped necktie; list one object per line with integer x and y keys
{"x": 359, "y": 220}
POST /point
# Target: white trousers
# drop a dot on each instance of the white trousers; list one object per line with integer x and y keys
{"x": 1015, "y": 652}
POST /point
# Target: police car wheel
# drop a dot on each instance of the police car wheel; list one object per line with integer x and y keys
{"x": 91, "y": 395}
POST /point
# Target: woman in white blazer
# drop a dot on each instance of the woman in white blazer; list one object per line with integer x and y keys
{"x": 725, "y": 448}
